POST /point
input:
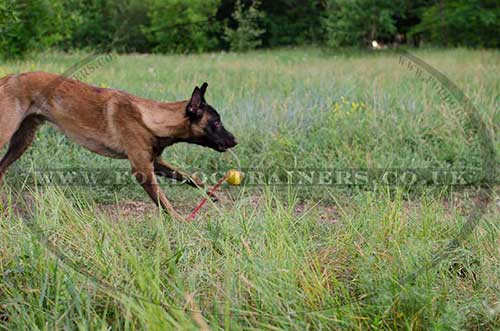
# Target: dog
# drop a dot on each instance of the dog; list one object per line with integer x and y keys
{"x": 111, "y": 123}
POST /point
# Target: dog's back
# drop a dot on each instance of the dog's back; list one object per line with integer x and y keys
{"x": 85, "y": 113}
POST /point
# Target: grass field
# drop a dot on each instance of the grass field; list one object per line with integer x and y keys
{"x": 301, "y": 257}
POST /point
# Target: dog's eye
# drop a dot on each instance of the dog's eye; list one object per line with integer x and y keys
{"x": 217, "y": 124}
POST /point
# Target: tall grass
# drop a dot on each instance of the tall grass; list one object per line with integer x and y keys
{"x": 266, "y": 258}
{"x": 66, "y": 267}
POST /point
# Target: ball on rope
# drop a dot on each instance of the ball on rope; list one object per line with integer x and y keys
{"x": 234, "y": 177}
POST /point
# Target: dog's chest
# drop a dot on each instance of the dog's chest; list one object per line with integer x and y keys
{"x": 161, "y": 144}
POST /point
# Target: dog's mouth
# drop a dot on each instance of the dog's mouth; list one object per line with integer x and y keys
{"x": 224, "y": 147}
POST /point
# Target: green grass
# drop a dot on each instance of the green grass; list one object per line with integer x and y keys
{"x": 275, "y": 258}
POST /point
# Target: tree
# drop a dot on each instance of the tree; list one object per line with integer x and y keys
{"x": 292, "y": 22}
{"x": 467, "y": 23}
{"x": 183, "y": 26}
{"x": 247, "y": 34}
{"x": 28, "y": 25}
{"x": 108, "y": 24}
{"x": 358, "y": 22}
{"x": 410, "y": 17}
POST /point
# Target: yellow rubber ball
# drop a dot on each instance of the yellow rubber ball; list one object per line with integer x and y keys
{"x": 234, "y": 177}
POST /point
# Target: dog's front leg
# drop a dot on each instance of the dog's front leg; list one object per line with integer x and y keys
{"x": 144, "y": 173}
{"x": 162, "y": 168}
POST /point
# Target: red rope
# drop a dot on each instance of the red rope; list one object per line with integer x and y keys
{"x": 204, "y": 200}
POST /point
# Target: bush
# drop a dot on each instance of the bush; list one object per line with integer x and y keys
{"x": 173, "y": 26}
{"x": 183, "y": 26}
{"x": 108, "y": 24}
{"x": 357, "y": 22}
{"x": 247, "y": 34}
{"x": 31, "y": 25}
{"x": 10, "y": 26}
{"x": 461, "y": 23}
{"x": 291, "y": 22}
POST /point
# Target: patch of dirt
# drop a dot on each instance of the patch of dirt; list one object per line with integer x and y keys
{"x": 131, "y": 209}
{"x": 127, "y": 209}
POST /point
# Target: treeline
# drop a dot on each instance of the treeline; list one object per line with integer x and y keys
{"x": 167, "y": 26}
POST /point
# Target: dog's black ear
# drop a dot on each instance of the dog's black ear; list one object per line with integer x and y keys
{"x": 193, "y": 108}
{"x": 204, "y": 88}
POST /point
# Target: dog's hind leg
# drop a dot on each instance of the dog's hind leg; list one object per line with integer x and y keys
{"x": 20, "y": 141}
{"x": 9, "y": 123}
{"x": 8, "y": 126}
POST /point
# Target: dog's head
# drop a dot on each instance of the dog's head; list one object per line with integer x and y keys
{"x": 205, "y": 123}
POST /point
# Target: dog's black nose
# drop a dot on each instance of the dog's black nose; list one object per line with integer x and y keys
{"x": 233, "y": 143}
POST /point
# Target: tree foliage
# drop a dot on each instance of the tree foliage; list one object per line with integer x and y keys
{"x": 473, "y": 23}
{"x": 246, "y": 35}
{"x": 293, "y": 22}
{"x": 106, "y": 24}
{"x": 358, "y": 22}
{"x": 168, "y": 26}
{"x": 31, "y": 25}
{"x": 183, "y": 26}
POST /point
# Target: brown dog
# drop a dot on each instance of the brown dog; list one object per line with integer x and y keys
{"x": 109, "y": 122}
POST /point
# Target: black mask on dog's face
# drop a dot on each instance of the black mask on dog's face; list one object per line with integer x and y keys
{"x": 206, "y": 124}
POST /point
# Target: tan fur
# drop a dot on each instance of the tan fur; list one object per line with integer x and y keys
{"x": 108, "y": 122}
